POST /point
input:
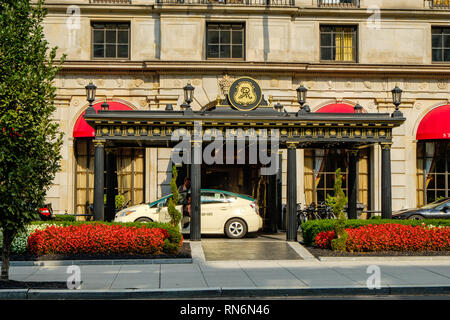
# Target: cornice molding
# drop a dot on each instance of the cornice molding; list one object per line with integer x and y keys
{"x": 158, "y": 67}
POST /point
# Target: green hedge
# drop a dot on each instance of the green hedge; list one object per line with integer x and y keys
{"x": 20, "y": 241}
{"x": 311, "y": 228}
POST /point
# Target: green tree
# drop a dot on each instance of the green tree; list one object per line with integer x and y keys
{"x": 337, "y": 204}
{"x": 175, "y": 215}
{"x": 30, "y": 141}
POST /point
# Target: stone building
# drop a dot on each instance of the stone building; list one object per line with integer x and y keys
{"x": 141, "y": 53}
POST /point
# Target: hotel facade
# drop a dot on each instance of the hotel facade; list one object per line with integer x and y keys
{"x": 140, "y": 54}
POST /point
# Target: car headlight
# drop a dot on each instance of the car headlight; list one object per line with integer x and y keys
{"x": 125, "y": 213}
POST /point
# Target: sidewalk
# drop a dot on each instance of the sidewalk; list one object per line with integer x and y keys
{"x": 305, "y": 276}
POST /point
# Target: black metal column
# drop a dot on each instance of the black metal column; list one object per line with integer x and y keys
{"x": 110, "y": 194}
{"x": 279, "y": 193}
{"x": 352, "y": 184}
{"x": 99, "y": 183}
{"x": 386, "y": 183}
{"x": 195, "y": 225}
{"x": 291, "y": 212}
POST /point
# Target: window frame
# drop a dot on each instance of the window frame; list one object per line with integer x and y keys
{"x": 355, "y": 43}
{"x": 243, "y": 44}
{"x": 116, "y": 42}
{"x": 442, "y": 48}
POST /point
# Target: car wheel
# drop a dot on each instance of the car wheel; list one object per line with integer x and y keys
{"x": 235, "y": 228}
{"x": 415, "y": 217}
{"x": 144, "y": 220}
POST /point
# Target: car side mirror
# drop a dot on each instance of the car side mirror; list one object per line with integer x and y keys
{"x": 445, "y": 209}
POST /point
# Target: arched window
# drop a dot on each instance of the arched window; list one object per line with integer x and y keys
{"x": 320, "y": 167}
{"x": 128, "y": 167}
{"x": 433, "y": 156}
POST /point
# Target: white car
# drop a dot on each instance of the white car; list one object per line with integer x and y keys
{"x": 222, "y": 212}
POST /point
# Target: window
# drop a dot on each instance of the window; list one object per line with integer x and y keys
{"x": 320, "y": 174}
{"x": 440, "y": 44}
{"x": 128, "y": 175}
{"x": 225, "y": 41}
{"x": 212, "y": 197}
{"x": 111, "y": 40}
{"x": 338, "y": 43}
{"x": 433, "y": 178}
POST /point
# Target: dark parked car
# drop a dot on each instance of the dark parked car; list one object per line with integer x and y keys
{"x": 46, "y": 213}
{"x": 435, "y": 210}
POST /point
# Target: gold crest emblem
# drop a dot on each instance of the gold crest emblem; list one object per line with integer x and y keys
{"x": 245, "y": 93}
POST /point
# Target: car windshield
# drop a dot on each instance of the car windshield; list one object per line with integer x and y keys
{"x": 434, "y": 204}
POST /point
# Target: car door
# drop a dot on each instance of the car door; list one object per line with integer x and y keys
{"x": 163, "y": 211}
{"x": 442, "y": 211}
{"x": 214, "y": 207}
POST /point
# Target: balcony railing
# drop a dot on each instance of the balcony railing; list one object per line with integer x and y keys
{"x": 438, "y": 4}
{"x": 338, "y": 3}
{"x": 284, "y": 3}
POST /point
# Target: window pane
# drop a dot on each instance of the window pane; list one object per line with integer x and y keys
{"x": 98, "y": 25}
{"x": 326, "y": 54}
{"x": 213, "y": 51}
{"x": 110, "y": 51}
{"x": 447, "y": 55}
{"x": 99, "y": 51}
{"x": 446, "y": 41}
{"x": 237, "y": 37}
{"x": 325, "y": 39}
{"x": 122, "y": 37}
{"x": 437, "y": 55}
{"x": 122, "y": 51}
{"x": 213, "y": 37}
{"x": 224, "y": 37}
{"x": 225, "y": 52}
{"x": 110, "y": 36}
{"x": 99, "y": 36}
{"x": 237, "y": 51}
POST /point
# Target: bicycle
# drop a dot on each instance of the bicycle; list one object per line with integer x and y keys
{"x": 325, "y": 211}
{"x": 309, "y": 213}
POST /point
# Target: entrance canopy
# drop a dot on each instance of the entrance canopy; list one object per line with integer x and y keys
{"x": 83, "y": 130}
{"x": 435, "y": 125}
{"x": 306, "y": 130}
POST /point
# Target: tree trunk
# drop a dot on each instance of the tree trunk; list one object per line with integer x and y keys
{"x": 8, "y": 236}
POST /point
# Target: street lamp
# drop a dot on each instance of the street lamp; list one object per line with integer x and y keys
{"x": 358, "y": 108}
{"x": 301, "y": 98}
{"x": 90, "y": 96}
{"x": 278, "y": 106}
{"x": 105, "y": 106}
{"x": 397, "y": 99}
{"x": 188, "y": 93}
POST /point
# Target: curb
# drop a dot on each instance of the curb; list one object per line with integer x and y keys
{"x": 55, "y": 263}
{"x": 385, "y": 258}
{"x": 32, "y": 294}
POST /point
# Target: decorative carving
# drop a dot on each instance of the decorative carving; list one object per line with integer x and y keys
{"x": 225, "y": 83}
{"x": 81, "y": 82}
{"x": 442, "y": 84}
{"x": 138, "y": 82}
{"x": 274, "y": 83}
{"x": 367, "y": 84}
{"x": 330, "y": 85}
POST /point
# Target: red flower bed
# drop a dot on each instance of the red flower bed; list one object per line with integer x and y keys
{"x": 390, "y": 237}
{"x": 97, "y": 239}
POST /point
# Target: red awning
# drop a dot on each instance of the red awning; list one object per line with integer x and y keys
{"x": 337, "y": 108}
{"x": 435, "y": 125}
{"x": 83, "y": 130}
